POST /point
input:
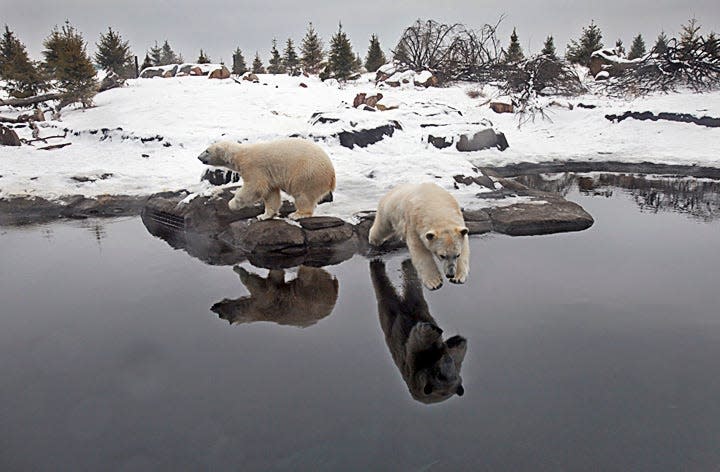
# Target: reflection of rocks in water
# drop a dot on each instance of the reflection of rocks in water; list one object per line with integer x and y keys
{"x": 429, "y": 366}
{"x": 699, "y": 198}
{"x": 300, "y": 302}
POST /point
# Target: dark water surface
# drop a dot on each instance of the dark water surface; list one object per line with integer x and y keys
{"x": 597, "y": 350}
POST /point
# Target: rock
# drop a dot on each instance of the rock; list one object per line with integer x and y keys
{"x": 320, "y": 222}
{"x": 265, "y": 236}
{"x": 150, "y": 72}
{"x": 251, "y": 78}
{"x": 608, "y": 61}
{"x": 439, "y": 141}
{"x": 8, "y": 137}
{"x": 477, "y": 221}
{"x": 483, "y": 139}
{"x": 523, "y": 219}
{"x": 303, "y": 85}
{"x": 329, "y": 235}
{"x": 195, "y": 70}
{"x": 220, "y": 176}
{"x": 359, "y": 100}
{"x": 382, "y": 107}
{"x": 425, "y": 79}
{"x": 219, "y": 73}
{"x": 366, "y": 137}
{"x": 170, "y": 72}
{"x": 373, "y": 100}
{"x": 501, "y": 107}
{"x": 111, "y": 81}
{"x": 38, "y": 115}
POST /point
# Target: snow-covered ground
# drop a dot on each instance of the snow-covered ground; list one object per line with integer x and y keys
{"x": 192, "y": 112}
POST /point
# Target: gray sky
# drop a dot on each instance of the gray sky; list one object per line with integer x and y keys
{"x": 220, "y": 26}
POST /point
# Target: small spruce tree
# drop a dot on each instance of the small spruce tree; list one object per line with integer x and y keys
{"x": 400, "y": 53}
{"x": 290, "y": 58}
{"x": 514, "y": 52}
{"x": 689, "y": 36}
{"x": 712, "y": 46}
{"x": 548, "y": 49}
{"x": 590, "y": 41}
{"x": 168, "y": 56}
{"x": 311, "y": 51}
{"x": 342, "y": 60}
{"x": 637, "y": 48}
{"x": 661, "y": 43}
{"x": 257, "y": 66}
{"x": 375, "y": 56}
{"x": 22, "y": 77}
{"x": 203, "y": 58}
{"x": 276, "y": 63}
{"x": 114, "y": 54}
{"x": 68, "y": 64}
{"x": 239, "y": 67}
{"x": 156, "y": 55}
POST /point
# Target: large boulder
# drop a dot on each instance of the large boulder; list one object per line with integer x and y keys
{"x": 111, "y": 81}
{"x": 606, "y": 63}
{"x": 219, "y": 73}
{"x": 468, "y": 141}
{"x": 150, "y": 72}
{"x": 8, "y": 137}
{"x": 522, "y": 219}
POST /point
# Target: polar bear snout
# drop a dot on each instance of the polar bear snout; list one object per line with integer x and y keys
{"x": 204, "y": 157}
{"x": 449, "y": 265}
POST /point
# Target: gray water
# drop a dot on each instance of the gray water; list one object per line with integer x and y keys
{"x": 597, "y": 350}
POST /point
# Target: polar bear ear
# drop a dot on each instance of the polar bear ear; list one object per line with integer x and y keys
{"x": 430, "y": 235}
{"x": 463, "y": 231}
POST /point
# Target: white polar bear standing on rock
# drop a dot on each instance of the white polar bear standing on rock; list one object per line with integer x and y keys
{"x": 296, "y": 166}
{"x": 429, "y": 219}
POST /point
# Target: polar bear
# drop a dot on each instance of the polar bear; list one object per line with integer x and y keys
{"x": 296, "y": 166}
{"x": 429, "y": 365}
{"x": 429, "y": 220}
{"x": 300, "y": 302}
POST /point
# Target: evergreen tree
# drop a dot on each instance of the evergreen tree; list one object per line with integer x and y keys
{"x": 375, "y": 56}
{"x": 311, "y": 51}
{"x": 290, "y": 58}
{"x": 156, "y": 55}
{"x": 239, "y": 67}
{"x": 590, "y": 41}
{"x": 358, "y": 64}
{"x": 689, "y": 36}
{"x": 257, "y": 66}
{"x": 637, "y": 48}
{"x": 400, "y": 53}
{"x": 168, "y": 56}
{"x": 620, "y": 48}
{"x": 549, "y": 48}
{"x": 114, "y": 54}
{"x": 203, "y": 58}
{"x": 276, "y": 63}
{"x": 661, "y": 43}
{"x": 342, "y": 59}
{"x": 22, "y": 77}
{"x": 67, "y": 62}
{"x": 514, "y": 52}
{"x": 147, "y": 62}
{"x": 712, "y": 45}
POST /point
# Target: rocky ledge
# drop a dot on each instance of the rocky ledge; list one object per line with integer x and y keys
{"x": 206, "y": 228}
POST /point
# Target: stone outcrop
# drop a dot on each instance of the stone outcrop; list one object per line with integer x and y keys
{"x": 219, "y": 73}
{"x": 111, "y": 81}
{"x": 8, "y": 137}
{"x": 470, "y": 141}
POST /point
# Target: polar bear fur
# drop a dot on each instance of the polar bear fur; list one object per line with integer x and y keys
{"x": 429, "y": 365}
{"x": 429, "y": 220}
{"x": 296, "y": 166}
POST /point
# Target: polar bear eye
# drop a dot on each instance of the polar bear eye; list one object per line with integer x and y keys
{"x": 442, "y": 257}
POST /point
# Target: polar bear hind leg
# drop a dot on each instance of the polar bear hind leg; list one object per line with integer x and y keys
{"x": 305, "y": 206}
{"x": 272, "y": 204}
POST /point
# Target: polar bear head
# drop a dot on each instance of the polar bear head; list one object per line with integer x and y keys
{"x": 435, "y": 371}
{"x": 220, "y": 154}
{"x": 446, "y": 245}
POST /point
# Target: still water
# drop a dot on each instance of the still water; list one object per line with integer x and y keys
{"x": 597, "y": 350}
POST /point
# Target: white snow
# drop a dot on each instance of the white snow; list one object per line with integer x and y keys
{"x": 192, "y": 112}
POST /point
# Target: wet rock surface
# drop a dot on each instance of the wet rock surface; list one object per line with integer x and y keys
{"x": 22, "y": 210}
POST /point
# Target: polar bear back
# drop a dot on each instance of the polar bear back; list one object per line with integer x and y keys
{"x": 421, "y": 206}
{"x": 295, "y": 165}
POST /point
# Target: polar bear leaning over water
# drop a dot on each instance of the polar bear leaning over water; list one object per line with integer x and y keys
{"x": 429, "y": 220}
{"x": 296, "y": 166}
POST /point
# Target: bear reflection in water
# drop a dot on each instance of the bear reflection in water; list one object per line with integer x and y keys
{"x": 301, "y": 302}
{"x": 429, "y": 365}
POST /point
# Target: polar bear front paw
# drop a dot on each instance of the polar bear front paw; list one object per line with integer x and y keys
{"x": 433, "y": 283}
{"x": 459, "y": 279}
{"x": 265, "y": 216}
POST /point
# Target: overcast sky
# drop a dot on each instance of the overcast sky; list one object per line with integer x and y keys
{"x": 218, "y": 27}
